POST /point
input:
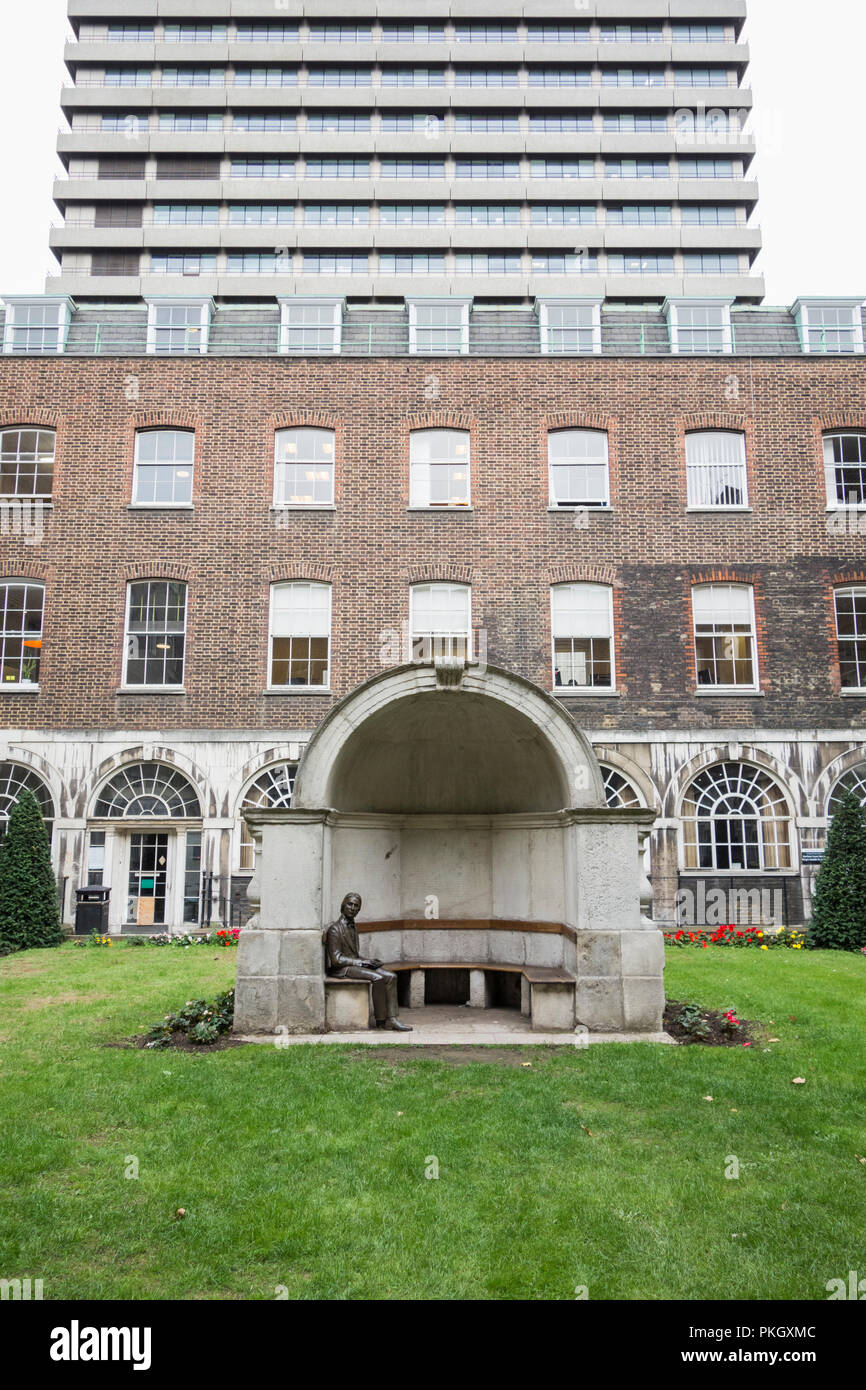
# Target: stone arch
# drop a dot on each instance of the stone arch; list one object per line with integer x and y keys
{"x": 448, "y": 739}
{"x": 633, "y": 772}
{"x": 790, "y": 784}
{"x": 169, "y": 758}
{"x": 852, "y": 760}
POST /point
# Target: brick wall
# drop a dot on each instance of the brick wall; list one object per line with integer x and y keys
{"x": 371, "y": 547}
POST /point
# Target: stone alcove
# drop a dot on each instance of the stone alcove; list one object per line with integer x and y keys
{"x": 467, "y": 809}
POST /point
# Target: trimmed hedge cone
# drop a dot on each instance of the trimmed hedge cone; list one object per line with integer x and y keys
{"x": 29, "y": 910}
{"x": 839, "y": 905}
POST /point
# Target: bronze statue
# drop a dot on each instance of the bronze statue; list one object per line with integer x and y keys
{"x": 346, "y": 962}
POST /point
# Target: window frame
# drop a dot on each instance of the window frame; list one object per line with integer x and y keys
{"x": 672, "y": 308}
{"x": 135, "y": 500}
{"x": 802, "y": 310}
{"x": 205, "y": 307}
{"x": 414, "y": 590}
{"x": 710, "y": 688}
{"x": 603, "y": 505}
{"x": 306, "y": 688}
{"x": 301, "y": 302}
{"x": 15, "y": 304}
{"x": 145, "y": 687}
{"x": 582, "y": 690}
{"x": 446, "y": 331}
{"x": 764, "y": 784}
{"x": 420, "y": 474}
{"x": 831, "y": 467}
{"x": 855, "y": 591}
{"x": 694, "y": 468}
{"x": 17, "y": 495}
{"x": 25, "y": 583}
{"x": 280, "y": 504}
{"x": 543, "y": 306}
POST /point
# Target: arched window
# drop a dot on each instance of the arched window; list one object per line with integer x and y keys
{"x": 15, "y": 779}
{"x": 440, "y": 619}
{"x": 304, "y": 468}
{"x": 716, "y": 468}
{"x": 147, "y": 789}
{"x": 845, "y": 468}
{"x": 271, "y": 790}
{"x": 618, "y": 790}
{"x": 735, "y": 817}
{"x": 577, "y": 468}
{"x": 852, "y": 781}
{"x": 21, "y": 605}
{"x": 27, "y": 462}
{"x": 439, "y": 468}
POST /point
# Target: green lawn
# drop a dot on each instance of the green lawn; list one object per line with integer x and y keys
{"x": 305, "y": 1167}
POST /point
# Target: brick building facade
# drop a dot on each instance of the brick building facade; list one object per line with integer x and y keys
{"x": 656, "y": 715}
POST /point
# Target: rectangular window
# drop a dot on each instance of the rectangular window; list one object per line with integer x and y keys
{"x": 560, "y": 77}
{"x": 439, "y": 468}
{"x": 185, "y": 214}
{"x": 638, "y": 122}
{"x": 650, "y": 263}
{"x": 340, "y": 77}
{"x": 310, "y": 326}
{"x": 631, "y": 33}
{"x": 582, "y": 628}
{"x": 633, "y": 77}
{"x": 699, "y": 33}
{"x": 258, "y": 263}
{"x": 183, "y": 169}
{"x": 716, "y": 469}
{"x": 118, "y": 215}
{"x": 709, "y": 169}
{"x": 558, "y": 33}
{"x": 851, "y": 637}
{"x": 36, "y": 326}
{"x": 185, "y": 122}
{"x": 637, "y": 169}
{"x": 487, "y": 214}
{"x": 724, "y": 618}
{"x": 578, "y": 468}
{"x": 562, "y": 214}
{"x": 116, "y": 77}
{"x": 177, "y": 263}
{"x": 845, "y": 469}
{"x": 411, "y": 263}
{"x": 413, "y": 214}
{"x": 178, "y": 327}
{"x": 267, "y": 33}
{"x": 21, "y": 605}
{"x": 640, "y": 215}
{"x": 836, "y": 328}
{"x": 568, "y": 327}
{"x": 699, "y": 327}
{"x": 412, "y": 169}
{"x": 115, "y": 263}
{"x": 487, "y": 169}
{"x": 193, "y": 77}
{"x": 414, "y": 77}
{"x": 701, "y": 77}
{"x": 706, "y": 215}
{"x": 340, "y": 33}
{"x": 553, "y": 123}
{"x": 275, "y": 121}
{"x": 336, "y": 214}
{"x": 26, "y": 463}
{"x": 304, "y": 468}
{"x": 711, "y": 263}
{"x": 195, "y": 33}
{"x": 486, "y": 263}
{"x": 155, "y": 633}
{"x": 261, "y": 214}
{"x": 339, "y": 263}
{"x": 163, "y": 468}
{"x": 484, "y": 124}
{"x": 338, "y": 122}
{"x": 560, "y": 263}
{"x": 338, "y": 168}
{"x": 485, "y": 33}
{"x": 439, "y": 327}
{"x": 441, "y": 622}
{"x": 413, "y": 33}
{"x": 300, "y": 634}
{"x": 262, "y": 169}
{"x": 120, "y": 169}
{"x": 95, "y": 858}
{"x": 266, "y": 77}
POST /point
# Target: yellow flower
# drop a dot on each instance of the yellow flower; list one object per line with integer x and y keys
{"x": 765, "y": 948}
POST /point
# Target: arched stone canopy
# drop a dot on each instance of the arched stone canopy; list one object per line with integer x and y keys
{"x": 405, "y": 742}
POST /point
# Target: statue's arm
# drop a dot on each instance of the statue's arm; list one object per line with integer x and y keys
{"x": 336, "y": 954}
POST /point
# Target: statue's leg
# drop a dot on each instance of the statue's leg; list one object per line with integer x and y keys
{"x": 380, "y": 1003}
{"x": 390, "y": 982}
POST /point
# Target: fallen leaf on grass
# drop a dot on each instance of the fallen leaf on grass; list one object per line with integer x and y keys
{"x": 798, "y": 1081}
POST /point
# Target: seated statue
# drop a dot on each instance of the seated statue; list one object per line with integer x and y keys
{"x": 346, "y": 962}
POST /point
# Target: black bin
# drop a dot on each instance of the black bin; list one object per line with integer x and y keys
{"x": 91, "y": 911}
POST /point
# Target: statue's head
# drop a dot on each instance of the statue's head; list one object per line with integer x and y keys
{"x": 351, "y": 905}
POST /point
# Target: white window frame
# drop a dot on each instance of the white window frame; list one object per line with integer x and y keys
{"x": 598, "y": 505}
{"x": 280, "y": 503}
{"x": 802, "y": 310}
{"x": 14, "y": 304}
{"x": 25, "y": 584}
{"x": 7, "y": 431}
{"x": 711, "y": 689}
{"x": 205, "y": 307}
{"x": 830, "y": 466}
{"x": 696, "y": 472}
{"x": 672, "y": 309}
{"x": 419, "y": 473}
{"x": 174, "y": 685}
{"x": 415, "y": 589}
{"x": 543, "y": 307}
{"x": 136, "y": 500}
{"x": 294, "y": 584}
{"x": 287, "y": 303}
{"x": 856, "y": 591}
{"x": 589, "y": 690}
{"x": 446, "y": 331}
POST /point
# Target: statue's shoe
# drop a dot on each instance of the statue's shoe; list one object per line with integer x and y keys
{"x": 397, "y": 1027}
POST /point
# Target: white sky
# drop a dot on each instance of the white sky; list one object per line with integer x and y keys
{"x": 806, "y": 75}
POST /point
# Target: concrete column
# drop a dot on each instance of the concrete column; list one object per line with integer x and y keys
{"x": 525, "y": 1005}
{"x": 416, "y": 989}
{"x": 479, "y": 989}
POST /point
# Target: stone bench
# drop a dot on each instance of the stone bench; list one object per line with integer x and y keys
{"x": 547, "y": 993}
{"x": 347, "y": 1005}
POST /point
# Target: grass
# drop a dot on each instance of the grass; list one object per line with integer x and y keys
{"x": 303, "y": 1169}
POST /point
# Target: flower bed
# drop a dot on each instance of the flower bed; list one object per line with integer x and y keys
{"x": 227, "y": 936}
{"x": 792, "y": 939}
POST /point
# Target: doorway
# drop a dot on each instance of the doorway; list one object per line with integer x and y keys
{"x": 148, "y": 876}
